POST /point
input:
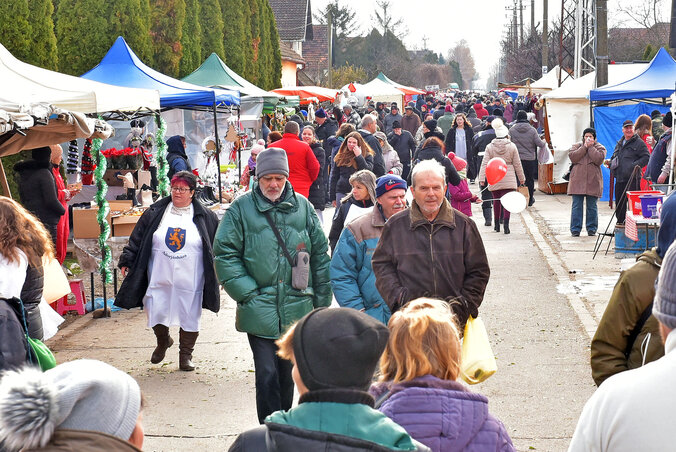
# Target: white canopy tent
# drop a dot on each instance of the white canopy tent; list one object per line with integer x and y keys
{"x": 568, "y": 112}
{"x": 377, "y": 90}
{"x": 23, "y": 83}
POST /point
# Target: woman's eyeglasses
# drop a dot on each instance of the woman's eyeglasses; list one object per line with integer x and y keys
{"x": 180, "y": 189}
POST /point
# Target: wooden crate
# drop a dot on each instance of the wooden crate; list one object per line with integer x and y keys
{"x": 545, "y": 178}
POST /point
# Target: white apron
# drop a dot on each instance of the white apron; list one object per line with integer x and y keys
{"x": 175, "y": 273}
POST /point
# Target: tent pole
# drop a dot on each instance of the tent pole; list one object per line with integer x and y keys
{"x": 239, "y": 150}
{"x": 3, "y": 181}
{"x": 218, "y": 154}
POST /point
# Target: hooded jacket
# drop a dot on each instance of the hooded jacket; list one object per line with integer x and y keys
{"x": 585, "y": 172}
{"x": 329, "y": 421}
{"x": 253, "y": 269}
{"x": 443, "y": 415}
{"x": 136, "y": 256}
{"x": 526, "y": 139}
{"x": 442, "y": 259}
{"x": 37, "y": 190}
{"x": 352, "y": 277}
{"x": 176, "y": 156}
{"x": 304, "y": 167}
{"x": 502, "y": 147}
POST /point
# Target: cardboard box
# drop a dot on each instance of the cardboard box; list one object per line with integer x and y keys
{"x": 124, "y": 225}
{"x": 85, "y": 225}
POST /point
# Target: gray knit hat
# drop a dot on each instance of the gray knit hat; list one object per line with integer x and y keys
{"x": 77, "y": 395}
{"x": 664, "y": 308}
{"x": 272, "y": 161}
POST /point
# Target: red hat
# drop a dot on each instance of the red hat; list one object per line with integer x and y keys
{"x": 459, "y": 163}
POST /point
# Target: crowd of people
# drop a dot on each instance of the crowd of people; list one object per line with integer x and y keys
{"x": 381, "y": 371}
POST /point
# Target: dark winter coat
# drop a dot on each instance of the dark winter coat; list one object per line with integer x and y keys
{"x": 450, "y": 139}
{"x": 84, "y": 441}
{"x": 441, "y": 259}
{"x": 388, "y": 121}
{"x": 526, "y": 139}
{"x": 434, "y": 152}
{"x": 378, "y": 161}
{"x": 326, "y": 130}
{"x": 253, "y": 269}
{"x": 478, "y": 149}
{"x": 317, "y": 193}
{"x": 177, "y": 159}
{"x": 658, "y": 157}
{"x": 13, "y": 345}
{"x": 585, "y": 173}
{"x": 37, "y": 191}
{"x": 339, "y": 181}
{"x": 330, "y": 421}
{"x": 339, "y": 218}
{"x": 410, "y": 123}
{"x": 631, "y": 154}
{"x": 443, "y": 415}
{"x": 31, "y": 293}
{"x": 136, "y": 256}
{"x": 404, "y": 144}
{"x": 633, "y": 293}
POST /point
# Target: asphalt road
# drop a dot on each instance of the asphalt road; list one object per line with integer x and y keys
{"x": 540, "y": 342}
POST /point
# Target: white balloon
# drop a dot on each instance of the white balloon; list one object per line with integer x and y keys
{"x": 514, "y": 202}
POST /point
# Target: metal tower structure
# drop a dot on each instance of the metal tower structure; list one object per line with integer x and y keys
{"x": 577, "y": 38}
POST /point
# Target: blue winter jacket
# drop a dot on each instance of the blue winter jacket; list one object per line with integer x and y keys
{"x": 352, "y": 277}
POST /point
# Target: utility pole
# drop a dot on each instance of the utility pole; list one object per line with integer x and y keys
{"x": 521, "y": 23}
{"x": 329, "y": 22}
{"x": 601, "y": 42}
{"x": 515, "y": 35}
{"x": 532, "y": 17}
{"x": 545, "y": 37}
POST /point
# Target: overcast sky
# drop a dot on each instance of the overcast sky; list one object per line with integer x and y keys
{"x": 445, "y": 22}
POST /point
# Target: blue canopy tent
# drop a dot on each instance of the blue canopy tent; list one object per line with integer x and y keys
{"x": 655, "y": 85}
{"x": 121, "y": 67}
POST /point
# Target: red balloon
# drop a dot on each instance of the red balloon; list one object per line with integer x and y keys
{"x": 495, "y": 170}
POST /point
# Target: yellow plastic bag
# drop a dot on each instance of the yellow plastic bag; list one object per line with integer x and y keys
{"x": 477, "y": 361}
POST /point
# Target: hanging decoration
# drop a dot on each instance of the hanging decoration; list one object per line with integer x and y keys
{"x": 72, "y": 160}
{"x": 162, "y": 165}
{"x": 88, "y": 165}
{"x": 102, "y": 214}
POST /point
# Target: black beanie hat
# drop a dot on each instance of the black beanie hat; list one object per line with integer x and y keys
{"x": 338, "y": 348}
{"x": 396, "y": 124}
{"x": 522, "y": 115}
{"x": 667, "y": 120}
{"x": 43, "y": 154}
{"x": 589, "y": 130}
{"x": 431, "y": 124}
{"x": 655, "y": 114}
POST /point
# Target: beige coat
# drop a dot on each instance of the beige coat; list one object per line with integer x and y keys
{"x": 585, "y": 174}
{"x": 505, "y": 149}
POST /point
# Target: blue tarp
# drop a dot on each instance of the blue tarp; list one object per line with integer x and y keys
{"x": 608, "y": 124}
{"x": 122, "y": 67}
{"x": 657, "y": 81}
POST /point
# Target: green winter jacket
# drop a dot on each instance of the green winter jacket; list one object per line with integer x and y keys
{"x": 252, "y": 267}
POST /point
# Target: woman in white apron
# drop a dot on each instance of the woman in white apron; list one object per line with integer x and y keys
{"x": 168, "y": 265}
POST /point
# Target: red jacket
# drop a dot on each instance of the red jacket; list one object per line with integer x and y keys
{"x": 303, "y": 165}
{"x": 480, "y": 110}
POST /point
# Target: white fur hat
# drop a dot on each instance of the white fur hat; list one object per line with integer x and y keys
{"x": 77, "y": 395}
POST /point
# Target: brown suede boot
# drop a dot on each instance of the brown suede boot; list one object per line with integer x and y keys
{"x": 164, "y": 341}
{"x": 186, "y": 344}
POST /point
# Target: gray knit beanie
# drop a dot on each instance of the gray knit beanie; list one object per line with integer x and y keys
{"x": 77, "y": 395}
{"x": 664, "y": 308}
{"x": 272, "y": 161}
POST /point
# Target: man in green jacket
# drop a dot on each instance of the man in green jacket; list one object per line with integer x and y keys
{"x": 254, "y": 267}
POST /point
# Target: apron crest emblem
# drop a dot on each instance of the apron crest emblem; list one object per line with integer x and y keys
{"x": 175, "y": 239}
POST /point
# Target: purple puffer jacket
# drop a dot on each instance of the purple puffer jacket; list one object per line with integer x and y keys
{"x": 443, "y": 415}
{"x": 461, "y": 197}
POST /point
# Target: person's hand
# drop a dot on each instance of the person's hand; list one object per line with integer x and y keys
{"x": 124, "y": 271}
{"x": 357, "y": 151}
{"x": 333, "y": 203}
{"x": 67, "y": 194}
{"x": 482, "y": 184}
{"x": 662, "y": 178}
{"x": 649, "y": 140}
{"x": 478, "y": 201}
{"x": 397, "y": 131}
{"x": 606, "y": 163}
{"x": 589, "y": 142}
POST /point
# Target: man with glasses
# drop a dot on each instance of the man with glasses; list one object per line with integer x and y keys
{"x": 270, "y": 255}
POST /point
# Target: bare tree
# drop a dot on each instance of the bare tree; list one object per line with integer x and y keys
{"x": 386, "y": 22}
{"x": 463, "y": 55}
{"x": 645, "y": 14}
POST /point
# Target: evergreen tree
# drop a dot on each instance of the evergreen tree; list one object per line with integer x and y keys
{"x": 255, "y": 41}
{"x": 265, "y": 48}
{"x": 43, "y": 39}
{"x": 192, "y": 38}
{"x": 126, "y": 19}
{"x": 15, "y": 30}
{"x": 81, "y": 34}
{"x": 234, "y": 38}
{"x": 211, "y": 20}
{"x": 166, "y": 31}
{"x": 275, "y": 54}
{"x": 248, "y": 71}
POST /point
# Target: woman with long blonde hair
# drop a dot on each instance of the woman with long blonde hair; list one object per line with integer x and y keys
{"x": 417, "y": 387}
{"x": 353, "y": 155}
